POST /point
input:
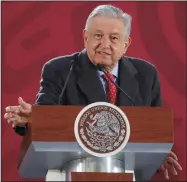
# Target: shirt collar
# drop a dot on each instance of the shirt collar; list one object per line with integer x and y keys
{"x": 114, "y": 71}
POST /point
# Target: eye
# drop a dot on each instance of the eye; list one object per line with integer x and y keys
{"x": 114, "y": 38}
{"x": 98, "y": 36}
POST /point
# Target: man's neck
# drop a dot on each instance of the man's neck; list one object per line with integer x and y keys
{"x": 114, "y": 71}
{"x": 109, "y": 68}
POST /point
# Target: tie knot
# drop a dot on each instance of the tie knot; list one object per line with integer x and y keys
{"x": 111, "y": 76}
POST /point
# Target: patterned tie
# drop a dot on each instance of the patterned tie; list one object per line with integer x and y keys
{"x": 111, "y": 89}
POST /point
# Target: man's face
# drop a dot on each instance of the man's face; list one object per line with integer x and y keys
{"x": 105, "y": 40}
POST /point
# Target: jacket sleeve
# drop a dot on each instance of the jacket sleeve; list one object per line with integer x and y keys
{"x": 50, "y": 85}
{"x": 156, "y": 100}
{"x": 50, "y": 88}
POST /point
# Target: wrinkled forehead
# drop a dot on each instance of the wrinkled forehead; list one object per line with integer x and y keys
{"x": 106, "y": 25}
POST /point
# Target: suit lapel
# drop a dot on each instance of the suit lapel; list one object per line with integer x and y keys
{"x": 90, "y": 85}
{"x": 128, "y": 82}
{"x": 88, "y": 80}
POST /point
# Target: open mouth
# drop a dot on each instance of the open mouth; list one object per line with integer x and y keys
{"x": 103, "y": 53}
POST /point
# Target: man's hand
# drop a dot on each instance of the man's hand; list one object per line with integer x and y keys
{"x": 18, "y": 115}
{"x": 170, "y": 164}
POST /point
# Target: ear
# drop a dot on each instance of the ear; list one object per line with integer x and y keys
{"x": 127, "y": 44}
{"x": 85, "y": 37}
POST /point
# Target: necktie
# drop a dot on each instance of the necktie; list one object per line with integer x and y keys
{"x": 111, "y": 88}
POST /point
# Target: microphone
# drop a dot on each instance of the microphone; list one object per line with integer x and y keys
{"x": 66, "y": 81}
{"x": 100, "y": 68}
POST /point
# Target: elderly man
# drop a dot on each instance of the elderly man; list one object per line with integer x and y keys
{"x": 93, "y": 71}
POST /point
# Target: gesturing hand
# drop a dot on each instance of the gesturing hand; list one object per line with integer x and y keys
{"x": 170, "y": 164}
{"x": 18, "y": 115}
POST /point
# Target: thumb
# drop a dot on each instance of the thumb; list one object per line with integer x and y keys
{"x": 22, "y": 103}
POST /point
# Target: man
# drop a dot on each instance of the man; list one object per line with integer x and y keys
{"x": 106, "y": 39}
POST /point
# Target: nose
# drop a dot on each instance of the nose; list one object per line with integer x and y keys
{"x": 105, "y": 42}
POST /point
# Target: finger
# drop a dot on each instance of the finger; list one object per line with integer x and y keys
{"x": 25, "y": 107}
{"x": 24, "y": 111}
{"x": 13, "y": 120}
{"x": 13, "y": 125}
{"x": 173, "y": 170}
{"x": 8, "y": 109}
{"x": 9, "y": 121}
{"x": 166, "y": 174}
{"x": 162, "y": 169}
{"x": 168, "y": 165}
{"x": 22, "y": 103}
{"x": 172, "y": 154}
{"x": 7, "y": 115}
{"x": 165, "y": 171}
{"x": 16, "y": 121}
{"x": 12, "y": 109}
{"x": 173, "y": 162}
{"x": 10, "y": 115}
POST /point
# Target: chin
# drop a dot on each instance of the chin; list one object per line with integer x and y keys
{"x": 103, "y": 62}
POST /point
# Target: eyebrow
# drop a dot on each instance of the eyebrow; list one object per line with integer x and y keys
{"x": 115, "y": 33}
{"x": 98, "y": 31}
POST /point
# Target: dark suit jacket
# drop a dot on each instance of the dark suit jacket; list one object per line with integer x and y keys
{"x": 138, "y": 78}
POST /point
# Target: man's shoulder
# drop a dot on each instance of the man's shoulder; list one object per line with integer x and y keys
{"x": 142, "y": 65}
{"x": 62, "y": 61}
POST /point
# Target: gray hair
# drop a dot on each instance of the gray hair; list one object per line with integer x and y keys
{"x": 111, "y": 12}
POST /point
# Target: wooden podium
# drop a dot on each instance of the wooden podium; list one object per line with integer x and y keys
{"x": 50, "y": 144}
